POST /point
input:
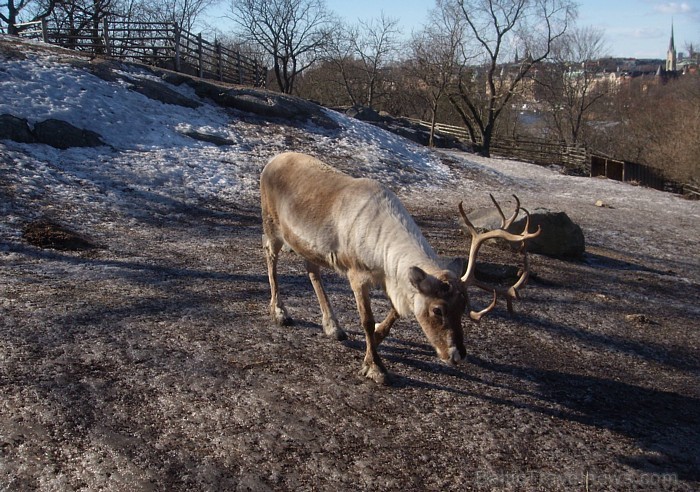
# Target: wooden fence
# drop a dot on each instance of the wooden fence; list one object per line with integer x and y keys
{"x": 543, "y": 152}
{"x": 458, "y": 132}
{"x": 162, "y": 44}
{"x": 632, "y": 172}
{"x": 547, "y": 152}
{"x": 692, "y": 192}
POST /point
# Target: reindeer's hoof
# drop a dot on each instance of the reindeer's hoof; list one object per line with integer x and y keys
{"x": 281, "y": 318}
{"x": 332, "y": 330}
{"x": 339, "y": 335}
{"x": 376, "y": 373}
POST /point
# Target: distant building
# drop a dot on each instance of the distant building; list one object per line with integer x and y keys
{"x": 671, "y": 54}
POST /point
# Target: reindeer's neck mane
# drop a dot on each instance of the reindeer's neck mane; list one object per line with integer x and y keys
{"x": 403, "y": 246}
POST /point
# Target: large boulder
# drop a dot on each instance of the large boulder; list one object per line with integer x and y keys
{"x": 363, "y": 113}
{"x": 560, "y": 236}
{"x": 63, "y": 135}
{"x": 266, "y": 103}
{"x": 160, "y": 92}
{"x": 14, "y": 128}
{"x": 56, "y": 133}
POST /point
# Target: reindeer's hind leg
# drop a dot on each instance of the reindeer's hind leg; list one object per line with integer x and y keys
{"x": 272, "y": 247}
{"x": 330, "y": 323}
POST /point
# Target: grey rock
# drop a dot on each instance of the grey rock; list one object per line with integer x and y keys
{"x": 14, "y": 128}
{"x": 363, "y": 113}
{"x": 161, "y": 92}
{"x": 560, "y": 236}
{"x": 63, "y": 135}
{"x": 266, "y": 103}
{"x": 206, "y": 137}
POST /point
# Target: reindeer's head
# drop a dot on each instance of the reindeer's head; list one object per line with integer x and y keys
{"x": 442, "y": 297}
{"x": 438, "y": 307}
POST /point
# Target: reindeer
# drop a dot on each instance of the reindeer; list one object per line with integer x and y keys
{"x": 360, "y": 228}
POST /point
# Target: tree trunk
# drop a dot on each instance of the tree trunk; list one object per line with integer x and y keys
{"x": 433, "y": 121}
{"x": 12, "y": 19}
{"x": 487, "y": 136}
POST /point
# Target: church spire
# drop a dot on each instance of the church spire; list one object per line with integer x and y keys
{"x": 671, "y": 54}
{"x": 671, "y": 44}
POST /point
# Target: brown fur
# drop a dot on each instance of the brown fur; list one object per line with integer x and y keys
{"x": 360, "y": 228}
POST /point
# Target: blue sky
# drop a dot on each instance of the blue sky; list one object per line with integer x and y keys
{"x": 636, "y": 29}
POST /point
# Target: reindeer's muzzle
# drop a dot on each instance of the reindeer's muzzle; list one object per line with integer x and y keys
{"x": 453, "y": 357}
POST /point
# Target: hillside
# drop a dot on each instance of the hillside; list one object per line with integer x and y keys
{"x": 138, "y": 354}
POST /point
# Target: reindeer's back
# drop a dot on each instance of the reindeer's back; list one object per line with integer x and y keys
{"x": 334, "y": 219}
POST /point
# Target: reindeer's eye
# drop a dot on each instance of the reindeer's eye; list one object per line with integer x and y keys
{"x": 437, "y": 311}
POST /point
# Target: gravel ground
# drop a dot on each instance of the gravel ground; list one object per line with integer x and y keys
{"x": 149, "y": 363}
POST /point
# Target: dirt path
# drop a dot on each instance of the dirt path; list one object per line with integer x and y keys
{"x": 150, "y": 364}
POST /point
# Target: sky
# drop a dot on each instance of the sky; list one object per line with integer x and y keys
{"x": 633, "y": 29}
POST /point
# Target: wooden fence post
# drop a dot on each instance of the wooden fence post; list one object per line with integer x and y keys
{"x": 219, "y": 61}
{"x": 199, "y": 55}
{"x": 105, "y": 36}
{"x": 177, "y": 47}
{"x": 240, "y": 67}
{"x": 44, "y": 30}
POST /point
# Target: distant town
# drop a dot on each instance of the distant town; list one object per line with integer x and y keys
{"x": 618, "y": 72}
{"x": 676, "y": 63}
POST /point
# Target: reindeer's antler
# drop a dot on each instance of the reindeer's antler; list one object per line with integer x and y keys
{"x": 478, "y": 239}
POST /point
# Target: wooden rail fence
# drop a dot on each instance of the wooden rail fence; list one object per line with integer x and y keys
{"x": 162, "y": 44}
{"x": 692, "y": 192}
{"x": 547, "y": 152}
{"x": 543, "y": 152}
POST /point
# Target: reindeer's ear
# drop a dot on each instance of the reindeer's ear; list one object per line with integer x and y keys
{"x": 416, "y": 277}
{"x": 426, "y": 284}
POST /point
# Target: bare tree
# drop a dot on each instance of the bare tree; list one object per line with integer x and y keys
{"x": 571, "y": 81}
{"x": 13, "y": 10}
{"x": 375, "y": 44}
{"x": 361, "y": 54}
{"x": 292, "y": 32}
{"x": 655, "y": 122}
{"x": 434, "y": 54}
{"x": 340, "y": 64}
{"x": 186, "y": 13}
{"x": 496, "y": 29}
{"x": 77, "y": 20}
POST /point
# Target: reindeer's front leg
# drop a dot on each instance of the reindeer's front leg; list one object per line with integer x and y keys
{"x": 372, "y": 366}
{"x": 381, "y": 330}
{"x": 277, "y": 310}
